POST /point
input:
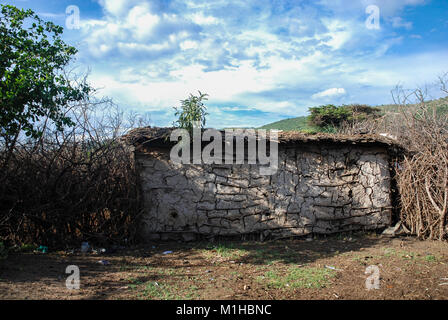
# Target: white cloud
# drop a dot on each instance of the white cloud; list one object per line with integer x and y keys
{"x": 200, "y": 19}
{"x": 152, "y": 56}
{"x": 186, "y": 45}
{"x": 332, "y": 92}
{"x": 141, "y": 21}
{"x": 339, "y": 32}
{"x": 398, "y": 22}
{"x": 130, "y": 29}
{"x": 117, "y": 7}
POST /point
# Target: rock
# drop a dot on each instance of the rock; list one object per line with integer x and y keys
{"x": 317, "y": 188}
{"x": 397, "y": 230}
{"x": 223, "y": 189}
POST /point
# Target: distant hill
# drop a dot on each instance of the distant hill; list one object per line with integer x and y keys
{"x": 441, "y": 106}
{"x": 301, "y": 124}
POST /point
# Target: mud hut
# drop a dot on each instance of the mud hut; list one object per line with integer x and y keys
{"x": 323, "y": 184}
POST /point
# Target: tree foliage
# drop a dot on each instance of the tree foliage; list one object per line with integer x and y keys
{"x": 32, "y": 82}
{"x": 192, "y": 110}
{"x": 331, "y": 116}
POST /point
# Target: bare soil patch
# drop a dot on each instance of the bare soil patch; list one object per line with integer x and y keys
{"x": 324, "y": 268}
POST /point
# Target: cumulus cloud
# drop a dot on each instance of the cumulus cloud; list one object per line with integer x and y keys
{"x": 270, "y": 57}
{"x": 116, "y": 7}
{"x": 332, "y": 92}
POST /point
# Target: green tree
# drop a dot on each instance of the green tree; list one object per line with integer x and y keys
{"x": 33, "y": 86}
{"x": 329, "y": 116}
{"x": 192, "y": 110}
{"x": 362, "y": 112}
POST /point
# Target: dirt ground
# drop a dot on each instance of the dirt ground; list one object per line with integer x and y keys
{"x": 320, "y": 268}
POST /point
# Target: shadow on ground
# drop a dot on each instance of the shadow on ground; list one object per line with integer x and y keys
{"x": 42, "y": 276}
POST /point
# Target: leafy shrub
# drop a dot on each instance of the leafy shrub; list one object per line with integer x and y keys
{"x": 192, "y": 110}
{"x": 330, "y": 117}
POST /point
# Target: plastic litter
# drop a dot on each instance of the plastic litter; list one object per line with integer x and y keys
{"x": 167, "y": 252}
{"x": 42, "y": 249}
{"x": 85, "y": 247}
{"x": 332, "y": 268}
{"x": 104, "y": 262}
{"x": 100, "y": 251}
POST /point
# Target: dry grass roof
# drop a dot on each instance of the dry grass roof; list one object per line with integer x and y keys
{"x": 160, "y": 136}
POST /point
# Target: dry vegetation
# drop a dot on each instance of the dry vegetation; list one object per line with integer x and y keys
{"x": 71, "y": 185}
{"x": 422, "y": 175}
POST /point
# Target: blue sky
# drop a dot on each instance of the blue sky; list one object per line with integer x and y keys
{"x": 260, "y": 61}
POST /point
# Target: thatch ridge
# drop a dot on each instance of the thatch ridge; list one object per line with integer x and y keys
{"x": 160, "y": 135}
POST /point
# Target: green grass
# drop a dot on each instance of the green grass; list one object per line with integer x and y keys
{"x": 430, "y": 258}
{"x": 292, "y": 124}
{"x": 166, "y": 291}
{"x": 126, "y": 267}
{"x": 225, "y": 250}
{"x": 295, "y": 277}
{"x": 160, "y": 289}
{"x": 157, "y": 291}
{"x": 269, "y": 257}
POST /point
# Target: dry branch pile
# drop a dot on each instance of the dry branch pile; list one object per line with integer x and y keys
{"x": 422, "y": 175}
{"x": 423, "y": 179}
{"x": 80, "y": 184}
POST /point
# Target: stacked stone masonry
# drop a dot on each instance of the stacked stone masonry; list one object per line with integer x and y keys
{"x": 317, "y": 188}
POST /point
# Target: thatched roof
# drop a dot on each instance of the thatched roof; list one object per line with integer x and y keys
{"x": 155, "y": 136}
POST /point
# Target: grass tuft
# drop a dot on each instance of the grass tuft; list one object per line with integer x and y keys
{"x": 306, "y": 277}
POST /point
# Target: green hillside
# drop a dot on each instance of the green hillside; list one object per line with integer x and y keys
{"x": 441, "y": 106}
{"x": 300, "y": 123}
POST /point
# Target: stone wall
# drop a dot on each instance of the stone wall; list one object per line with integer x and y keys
{"x": 317, "y": 189}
